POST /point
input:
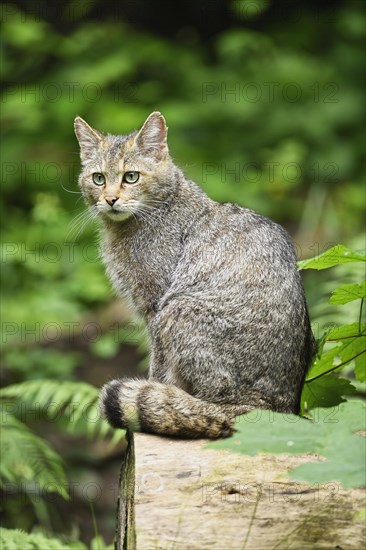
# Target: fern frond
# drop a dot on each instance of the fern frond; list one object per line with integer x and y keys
{"x": 75, "y": 402}
{"x": 12, "y": 539}
{"x": 27, "y": 460}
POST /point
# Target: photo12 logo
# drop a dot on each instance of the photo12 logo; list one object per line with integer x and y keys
{"x": 269, "y": 92}
{"x": 71, "y": 92}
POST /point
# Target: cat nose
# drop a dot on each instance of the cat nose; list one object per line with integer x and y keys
{"x": 110, "y": 199}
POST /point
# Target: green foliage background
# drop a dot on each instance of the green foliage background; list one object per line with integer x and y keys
{"x": 264, "y": 105}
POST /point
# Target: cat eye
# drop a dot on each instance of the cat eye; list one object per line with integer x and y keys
{"x": 98, "y": 178}
{"x": 131, "y": 177}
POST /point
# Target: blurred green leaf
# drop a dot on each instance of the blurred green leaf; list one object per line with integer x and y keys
{"x": 336, "y": 255}
{"x": 105, "y": 347}
{"x": 348, "y": 293}
{"x": 75, "y": 402}
{"x": 27, "y": 459}
{"x": 12, "y": 539}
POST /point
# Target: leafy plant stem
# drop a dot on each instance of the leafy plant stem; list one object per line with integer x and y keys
{"x": 94, "y": 522}
{"x": 344, "y": 337}
{"x": 360, "y": 315}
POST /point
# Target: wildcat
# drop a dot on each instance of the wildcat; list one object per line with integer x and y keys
{"x": 216, "y": 284}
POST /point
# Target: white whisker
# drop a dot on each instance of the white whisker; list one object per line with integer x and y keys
{"x": 69, "y": 191}
{"x": 78, "y": 224}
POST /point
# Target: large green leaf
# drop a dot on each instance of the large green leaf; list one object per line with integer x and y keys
{"x": 345, "y": 457}
{"x": 331, "y": 434}
{"x": 360, "y": 370}
{"x": 349, "y": 344}
{"x": 336, "y": 255}
{"x": 344, "y": 449}
{"x": 347, "y": 293}
{"x": 326, "y": 391}
{"x": 346, "y": 331}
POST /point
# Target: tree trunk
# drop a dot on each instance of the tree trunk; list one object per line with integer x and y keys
{"x": 187, "y": 497}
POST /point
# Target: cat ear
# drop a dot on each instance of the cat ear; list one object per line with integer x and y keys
{"x": 152, "y": 138}
{"x": 88, "y": 137}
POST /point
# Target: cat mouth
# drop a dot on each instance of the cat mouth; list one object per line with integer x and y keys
{"x": 118, "y": 215}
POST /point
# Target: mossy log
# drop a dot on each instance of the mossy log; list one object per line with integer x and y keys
{"x": 177, "y": 494}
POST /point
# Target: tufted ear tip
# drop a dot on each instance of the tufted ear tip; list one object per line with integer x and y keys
{"x": 79, "y": 121}
{"x": 88, "y": 137}
{"x": 152, "y": 138}
{"x": 155, "y": 114}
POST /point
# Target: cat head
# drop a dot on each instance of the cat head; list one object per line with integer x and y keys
{"x": 125, "y": 176}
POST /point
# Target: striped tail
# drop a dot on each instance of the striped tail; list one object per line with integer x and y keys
{"x": 148, "y": 406}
